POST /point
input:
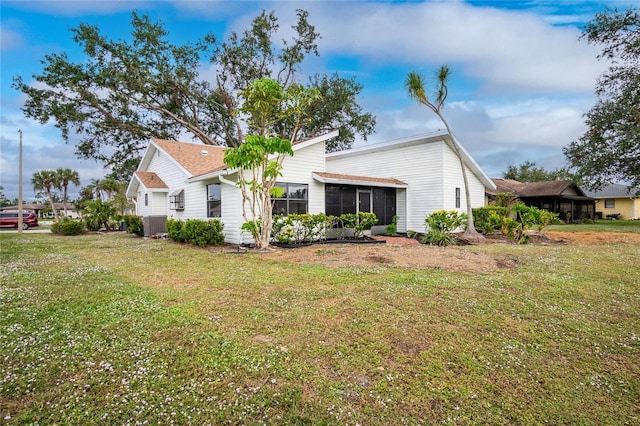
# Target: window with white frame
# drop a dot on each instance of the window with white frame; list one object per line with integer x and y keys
{"x": 176, "y": 200}
{"x": 457, "y": 198}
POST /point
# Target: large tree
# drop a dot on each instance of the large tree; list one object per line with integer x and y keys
{"x": 259, "y": 160}
{"x": 609, "y": 151}
{"x": 416, "y": 88}
{"x": 530, "y": 172}
{"x": 47, "y": 181}
{"x": 121, "y": 93}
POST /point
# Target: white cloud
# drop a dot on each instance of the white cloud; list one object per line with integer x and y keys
{"x": 10, "y": 40}
{"x": 505, "y": 50}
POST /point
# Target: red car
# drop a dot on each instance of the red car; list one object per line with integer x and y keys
{"x": 10, "y": 220}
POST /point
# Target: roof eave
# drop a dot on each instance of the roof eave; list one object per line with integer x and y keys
{"x": 345, "y": 181}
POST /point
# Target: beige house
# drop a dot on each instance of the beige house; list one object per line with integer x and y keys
{"x": 617, "y": 201}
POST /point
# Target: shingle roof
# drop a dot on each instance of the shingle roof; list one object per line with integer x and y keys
{"x": 533, "y": 189}
{"x": 151, "y": 180}
{"x": 614, "y": 190}
{"x": 338, "y": 176}
{"x": 197, "y": 159}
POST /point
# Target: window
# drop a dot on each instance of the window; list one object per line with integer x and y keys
{"x": 176, "y": 200}
{"x": 214, "y": 200}
{"x": 457, "y": 198}
{"x": 609, "y": 204}
{"x": 294, "y": 201}
{"x": 146, "y": 199}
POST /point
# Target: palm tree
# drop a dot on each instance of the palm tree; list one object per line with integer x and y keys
{"x": 96, "y": 187}
{"x": 109, "y": 186}
{"x": 46, "y": 180}
{"x": 67, "y": 176}
{"x": 416, "y": 89}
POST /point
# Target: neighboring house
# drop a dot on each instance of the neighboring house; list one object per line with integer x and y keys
{"x": 409, "y": 178}
{"x": 43, "y": 210}
{"x": 563, "y": 197}
{"x": 617, "y": 201}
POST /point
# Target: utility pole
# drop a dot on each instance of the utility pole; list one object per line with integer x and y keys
{"x": 20, "y": 188}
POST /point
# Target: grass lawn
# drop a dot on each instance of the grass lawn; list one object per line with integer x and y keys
{"x": 112, "y": 329}
{"x": 600, "y": 226}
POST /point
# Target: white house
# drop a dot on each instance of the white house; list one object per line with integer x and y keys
{"x": 409, "y": 178}
{"x": 427, "y": 165}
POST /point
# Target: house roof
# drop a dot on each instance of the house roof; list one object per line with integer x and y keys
{"x": 358, "y": 180}
{"x": 550, "y": 188}
{"x": 29, "y": 206}
{"x": 196, "y": 159}
{"x": 614, "y": 190}
{"x": 150, "y": 180}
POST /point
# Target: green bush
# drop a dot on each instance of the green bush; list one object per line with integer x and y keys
{"x": 174, "y": 230}
{"x": 392, "y": 228}
{"x": 533, "y": 217}
{"x": 134, "y": 224}
{"x": 67, "y": 226}
{"x": 99, "y": 214}
{"x": 195, "y": 231}
{"x": 300, "y": 228}
{"x": 359, "y": 222}
{"x": 489, "y": 219}
{"x": 441, "y": 225}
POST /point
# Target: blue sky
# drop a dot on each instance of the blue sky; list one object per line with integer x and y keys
{"x": 521, "y": 80}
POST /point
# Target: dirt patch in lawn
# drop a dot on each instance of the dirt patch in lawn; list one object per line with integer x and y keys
{"x": 594, "y": 238}
{"x": 405, "y": 252}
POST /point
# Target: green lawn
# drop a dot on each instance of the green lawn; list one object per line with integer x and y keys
{"x": 112, "y": 329}
{"x": 600, "y": 226}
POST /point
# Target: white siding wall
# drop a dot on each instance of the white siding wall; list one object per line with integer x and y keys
{"x": 158, "y": 203}
{"x": 232, "y": 214}
{"x": 142, "y": 209}
{"x": 420, "y": 166}
{"x": 300, "y": 168}
{"x": 453, "y": 179}
{"x": 173, "y": 176}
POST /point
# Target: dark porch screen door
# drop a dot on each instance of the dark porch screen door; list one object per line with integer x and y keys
{"x": 364, "y": 201}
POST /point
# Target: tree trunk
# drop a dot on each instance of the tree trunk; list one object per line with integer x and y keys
{"x": 470, "y": 233}
{"x": 53, "y": 206}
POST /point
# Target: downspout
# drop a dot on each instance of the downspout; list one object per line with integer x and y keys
{"x": 226, "y": 181}
{"x": 134, "y": 200}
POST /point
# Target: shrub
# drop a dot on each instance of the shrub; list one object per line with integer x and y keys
{"x": 195, "y": 231}
{"x": 533, "y": 217}
{"x": 489, "y": 219}
{"x": 67, "y": 226}
{"x": 134, "y": 224}
{"x": 359, "y": 222}
{"x": 392, "y": 228}
{"x": 300, "y": 228}
{"x": 98, "y": 215}
{"x": 441, "y": 225}
{"x": 174, "y": 230}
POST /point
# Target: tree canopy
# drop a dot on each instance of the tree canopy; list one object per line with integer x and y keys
{"x": 122, "y": 93}
{"x": 530, "y": 172}
{"x": 609, "y": 151}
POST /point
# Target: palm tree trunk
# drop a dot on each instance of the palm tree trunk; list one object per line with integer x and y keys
{"x": 53, "y": 206}
{"x": 470, "y": 232}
